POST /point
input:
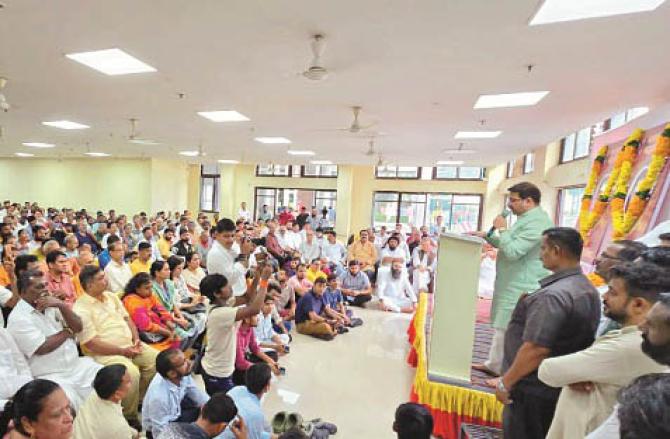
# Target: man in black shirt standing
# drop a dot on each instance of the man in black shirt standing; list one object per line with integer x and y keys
{"x": 558, "y": 319}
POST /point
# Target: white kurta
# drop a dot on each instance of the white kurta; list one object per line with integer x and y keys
{"x": 63, "y": 365}
{"x": 395, "y": 293}
{"x": 13, "y": 367}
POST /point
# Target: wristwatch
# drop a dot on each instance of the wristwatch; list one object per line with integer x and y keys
{"x": 501, "y": 386}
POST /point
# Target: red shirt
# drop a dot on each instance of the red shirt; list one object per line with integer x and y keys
{"x": 63, "y": 284}
{"x": 246, "y": 340}
{"x": 285, "y": 217}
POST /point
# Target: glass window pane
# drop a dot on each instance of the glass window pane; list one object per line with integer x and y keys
{"x": 570, "y": 201}
{"x": 583, "y": 143}
{"x": 510, "y": 168}
{"x": 439, "y": 204}
{"x": 208, "y": 187}
{"x": 210, "y": 169}
{"x": 264, "y": 170}
{"x": 408, "y": 172}
{"x": 569, "y": 148}
{"x": 446, "y": 172}
{"x": 412, "y": 213}
{"x": 386, "y": 196}
{"x": 470, "y": 172}
{"x": 419, "y": 198}
{"x": 311, "y": 170}
{"x": 267, "y": 192}
{"x": 386, "y": 171}
{"x": 467, "y": 199}
{"x": 465, "y": 217}
{"x": 281, "y": 170}
{"x": 617, "y": 120}
{"x": 385, "y": 213}
{"x": 329, "y": 170}
{"x": 426, "y": 172}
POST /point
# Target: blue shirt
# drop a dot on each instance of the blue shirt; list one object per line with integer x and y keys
{"x": 307, "y": 303}
{"x": 248, "y": 408}
{"x": 333, "y": 298}
{"x": 103, "y": 258}
{"x": 162, "y": 402}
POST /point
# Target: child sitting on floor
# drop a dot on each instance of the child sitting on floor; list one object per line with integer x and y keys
{"x": 248, "y": 351}
{"x": 266, "y": 336}
{"x": 334, "y": 300}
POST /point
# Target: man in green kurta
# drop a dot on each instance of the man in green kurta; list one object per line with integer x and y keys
{"x": 518, "y": 264}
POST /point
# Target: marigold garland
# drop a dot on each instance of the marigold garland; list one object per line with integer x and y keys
{"x": 623, "y": 221}
{"x": 586, "y": 221}
{"x": 596, "y": 280}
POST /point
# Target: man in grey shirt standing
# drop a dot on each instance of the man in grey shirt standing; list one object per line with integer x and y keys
{"x": 558, "y": 319}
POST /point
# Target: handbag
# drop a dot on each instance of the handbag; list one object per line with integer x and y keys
{"x": 151, "y": 337}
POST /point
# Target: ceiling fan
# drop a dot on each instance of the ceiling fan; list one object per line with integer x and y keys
{"x": 355, "y": 126}
{"x": 371, "y": 148}
{"x": 134, "y": 136}
{"x": 315, "y": 71}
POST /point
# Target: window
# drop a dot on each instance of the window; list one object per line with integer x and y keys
{"x": 409, "y": 172}
{"x": 624, "y": 117}
{"x": 275, "y": 198}
{"x": 273, "y": 170}
{"x": 576, "y": 145}
{"x": 569, "y": 201}
{"x": 510, "y": 168}
{"x": 325, "y": 199}
{"x": 319, "y": 171}
{"x": 461, "y": 212}
{"x": 528, "y": 163}
{"x": 458, "y": 173}
{"x": 265, "y": 196}
{"x": 210, "y": 178}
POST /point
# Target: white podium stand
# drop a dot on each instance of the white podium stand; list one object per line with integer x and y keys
{"x": 452, "y": 330}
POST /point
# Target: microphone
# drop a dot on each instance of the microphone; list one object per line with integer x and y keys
{"x": 505, "y": 213}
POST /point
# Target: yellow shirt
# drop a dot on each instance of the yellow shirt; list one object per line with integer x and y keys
{"x": 364, "y": 253}
{"x": 164, "y": 248}
{"x": 101, "y": 419}
{"x": 138, "y": 266}
{"x": 313, "y": 275}
{"x": 104, "y": 319}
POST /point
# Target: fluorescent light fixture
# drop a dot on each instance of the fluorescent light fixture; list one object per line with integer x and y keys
{"x": 321, "y": 162}
{"x": 555, "y": 11}
{"x": 66, "y": 125}
{"x": 229, "y": 162}
{"x": 273, "y": 140}
{"x": 144, "y": 142}
{"x": 459, "y": 151}
{"x": 224, "y": 116}
{"x": 111, "y": 62}
{"x": 189, "y": 153}
{"x": 38, "y": 144}
{"x": 477, "y": 134}
{"x": 523, "y": 99}
{"x": 300, "y": 152}
{"x": 97, "y": 154}
{"x": 449, "y": 162}
{"x": 24, "y": 154}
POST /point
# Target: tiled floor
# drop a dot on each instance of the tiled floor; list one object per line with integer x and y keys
{"x": 355, "y": 381}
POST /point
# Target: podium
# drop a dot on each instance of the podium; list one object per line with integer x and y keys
{"x": 445, "y": 338}
{"x": 452, "y": 332}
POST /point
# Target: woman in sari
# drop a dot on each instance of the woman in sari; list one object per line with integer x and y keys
{"x": 166, "y": 294}
{"x": 191, "y": 304}
{"x": 153, "y": 321}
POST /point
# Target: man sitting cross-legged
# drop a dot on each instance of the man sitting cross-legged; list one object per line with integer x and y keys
{"x": 308, "y": 318}
{"x": 44, "y": 329}
{"x": 266, "y": 337}
{"x": 109, "y": 336}
{"x": 591, "y": 378}
{"x": 248, "y": 351}
{"x": 356, "y": 285}
{"x": 248, "y": 398}
{"x": 215, "y": 416}
{"x": 173, "y": 395}
{"x": 101, "y": 417}
{"x": 395, "y": 292}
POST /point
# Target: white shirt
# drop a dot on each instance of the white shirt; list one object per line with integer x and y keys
{"x": 293, "y": 240}
{"x": 398, "y": 253}
{"x": 394, "y": 289}
{"x": 608, "y": 429}
{"x": 103, "y": 243}
{"x": 222, "y": 261}
{"x": 244, "y": 214}
{"x": 13, "y": 367}
{"x": 30, "y": 330}
{"x": 334, "y": 252}
{"x": 5, "y": 295}
{"x": 118, "y": 275}
{"x": 310, "y": 251}
{"x": 611, "y": 363}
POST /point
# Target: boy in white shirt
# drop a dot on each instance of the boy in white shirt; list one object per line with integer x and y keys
{"x": 266, "y": 336}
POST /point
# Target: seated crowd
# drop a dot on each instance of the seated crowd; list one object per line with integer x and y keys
{"x": 107, "y": 318}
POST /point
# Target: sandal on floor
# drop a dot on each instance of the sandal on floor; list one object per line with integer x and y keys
{"x": 293, "y": 420}
{"x": 279, "y": 422}
{"x": 331, "y": 428}
{"x": 355, "y": 322}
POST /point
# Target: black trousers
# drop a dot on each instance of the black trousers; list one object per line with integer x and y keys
{"x": 529, "y": 416}
{"x": 239, "y": 375}
{"x": 359, "y": 300}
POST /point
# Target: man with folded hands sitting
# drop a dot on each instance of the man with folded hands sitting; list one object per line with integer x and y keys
{"x": 308, "y": 314}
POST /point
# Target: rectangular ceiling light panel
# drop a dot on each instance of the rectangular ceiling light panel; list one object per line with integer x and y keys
{"x": 224, "y": 116}
{"x": 477, "y": 134}
{"x": 556, "y": 11}
{"x": 111, "y": 62}
{"x": 505, "y": 100}
{"x": 66, "y": 125}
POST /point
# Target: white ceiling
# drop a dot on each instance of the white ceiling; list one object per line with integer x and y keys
{"x": 416, "y": 67}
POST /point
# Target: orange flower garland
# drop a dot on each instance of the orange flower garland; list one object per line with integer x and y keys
{"x": 585, "y": 222}
{"x": 622, "y": 221}
{"x": 596, "y": 280}
{"x": 630, "y": 149}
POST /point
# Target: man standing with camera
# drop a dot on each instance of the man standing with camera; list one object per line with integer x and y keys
{"x": 224, "y": 259}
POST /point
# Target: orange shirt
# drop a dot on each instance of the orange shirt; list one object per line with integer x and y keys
{"x": 4, "y": 276}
